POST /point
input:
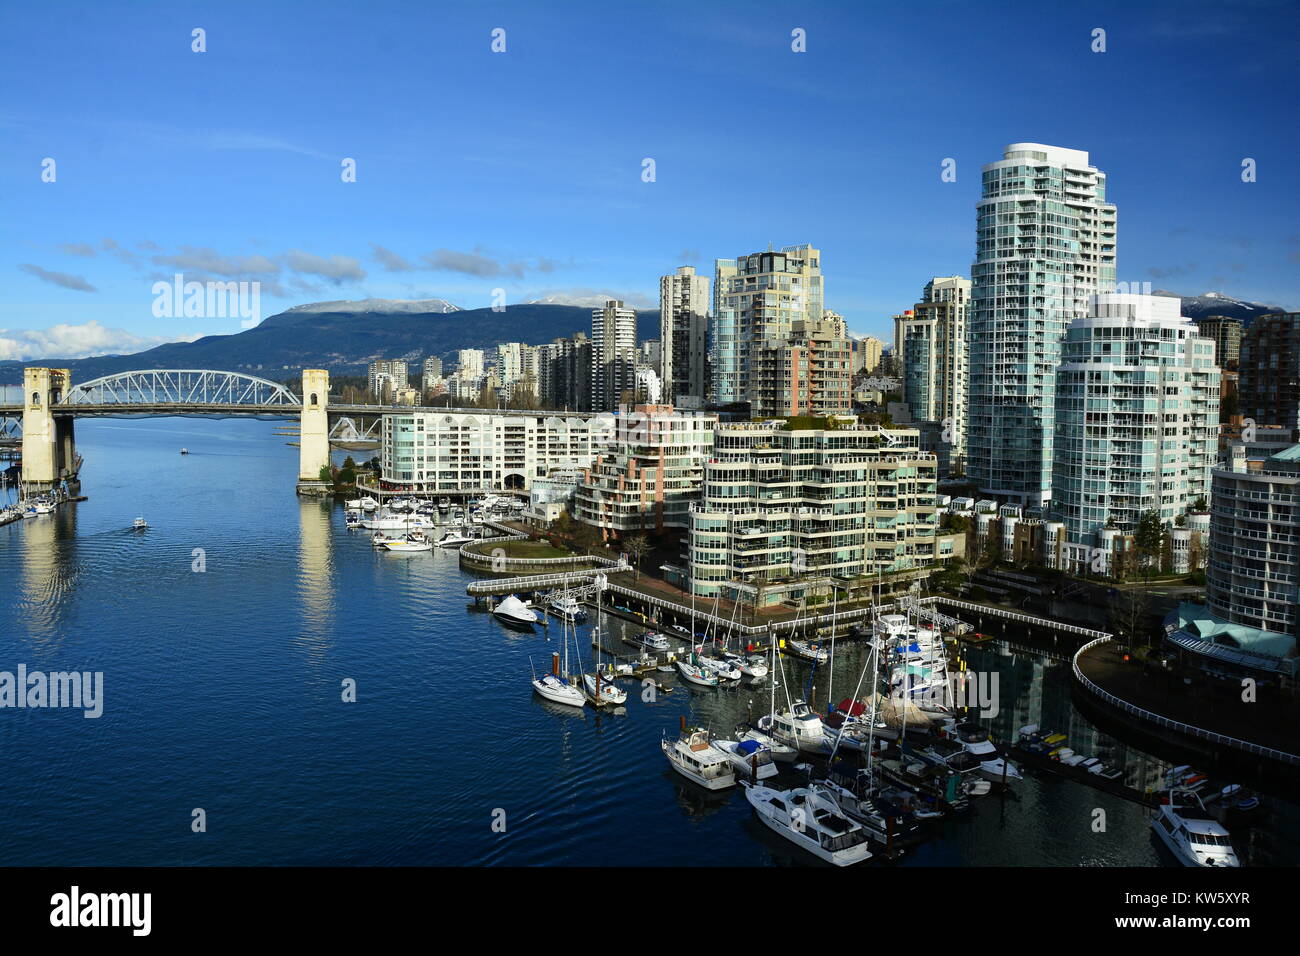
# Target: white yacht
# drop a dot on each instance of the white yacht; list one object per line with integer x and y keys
{"x": 799, "y": 726}
{"x": 514, "y": 612}
{"x": 558, "y": 690}
{"x": 567, "y": 608}
{"x": 994, "y": 765}
{"x": 413, "y": 542}
{"x": 1190, "y": 832}
{"x": 752, "y": 667}
{"x": 607, "y": 693}
{"x": 811, "y": 820}
{"x": 139, "y": 524}
{"x": 650, "y": 640}
{"x": 694, "y": 674}
{"x": 745, "y": 755}
{"x": 453, "y": 539}
{"x": 724, "y": 670}
{"x": 808, "y": 650}
{"x": 782, "y": 753}
{"x": 396, "y": 522}
{"x": 699, "y": 761}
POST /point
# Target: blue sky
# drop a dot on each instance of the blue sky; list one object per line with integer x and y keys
{"x": 522, "y": 170}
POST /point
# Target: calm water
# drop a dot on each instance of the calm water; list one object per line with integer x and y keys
{"x": 223, "y": 691}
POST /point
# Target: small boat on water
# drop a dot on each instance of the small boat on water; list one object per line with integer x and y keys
{"x": 555, "y": 688}
{"x": 600, "y": 688}
{"x": 694, "y": 674}
{"x": 1190, "y": 832}
{"x": 139, "y": 524}
{"x": 454, "y": 539}
{"x": 809, "y": 819}
{"x": 749, "y": 757}
{"x": 515, "y": 613}
{"x": 566, "y": 607}
{"x": 650, "y": 640}
{"x": 409, "y": 543}
{"x": 994, "y": 765}
{"x": 724, "y": 670}
{"x": 697, "y": 760}
{"x": 185, "y": 451}
{"x": 798, "y": 725}
{"x": 808, "y": 650}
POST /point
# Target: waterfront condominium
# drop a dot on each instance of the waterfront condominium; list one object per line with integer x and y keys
{"x": 930, "y": 345}
{"x": 430, "y": 452}
{"x": 613, "y": 355}
{"x": 782, "y": 506}
{"x": 758, "y": 298}
{"x": 1269, "y": 383}
{"x": 1251, "y": 618}
{"x": 808, "y": 372}
{"x": 645, "y": 478}
{"x": 683, "y": 335}
{"x": 1045, "y": 241}
{"x": 1137, "y": 415}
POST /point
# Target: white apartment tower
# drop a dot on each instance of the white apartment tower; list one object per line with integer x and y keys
{"x": 1137, "y": 416}
{"x": 930, "y": 343}
{"x": 613, "y": 355}
{"x": 1045, "y": 242}
{"x": 683, "y": 334}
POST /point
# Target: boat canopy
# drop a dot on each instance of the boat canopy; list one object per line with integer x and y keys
{"x": 748, "y": 747}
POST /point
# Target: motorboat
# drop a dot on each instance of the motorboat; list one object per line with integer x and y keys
{"x": 799, "y": 726}
{"x": 369, "y": 504}
{"x": 715, "y": 665}
{"x": 696, "y": 759}
{"x": 752, "y": 667}
{"x": 808, "y": 650}
{"x": 43, "y": 508}
{"x": 566, "y": 607}
{"x": 886, "y": 822}
{"x": 444, "y": 505}
{"x": 453, "y": 539}
{"x": 185, "y": 451}
{"x": 396, "y": 522}
{"x": 1190, "y": 832}
{"x": 994, "y": 765}
{"x": 413, "y": 542}
{"x": 749, "y": 757}
{"x": 515, "y": 613}
{"x": 650, "y": 640}
{"x": 603, "y": 690}
{"x": 694, "y": 674}
{"x": 381, "y": 540}
{"x": 351, "y": 519}
{"x": 809, "y": 819}
{"x": 139, "y": 524}
{"x": 781, "y": 753}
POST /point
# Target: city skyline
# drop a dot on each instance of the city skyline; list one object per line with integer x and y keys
{"x": 198, "y": 163}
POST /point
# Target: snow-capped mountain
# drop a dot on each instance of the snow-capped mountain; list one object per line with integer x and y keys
{"x": 376, "y": 306}
{"x": 1216, "y": 303}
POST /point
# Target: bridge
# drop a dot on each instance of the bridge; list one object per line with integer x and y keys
{"x": 51, "y": 403}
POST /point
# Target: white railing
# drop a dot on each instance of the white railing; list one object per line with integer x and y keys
{"x": 1188, "y": 729}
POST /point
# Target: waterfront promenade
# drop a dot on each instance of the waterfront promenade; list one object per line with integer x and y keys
{"x": 1208, "y": 708}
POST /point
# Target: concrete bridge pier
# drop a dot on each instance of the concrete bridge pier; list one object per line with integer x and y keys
{"x": 49, "y": 445}
{"x": 314, "y": 441}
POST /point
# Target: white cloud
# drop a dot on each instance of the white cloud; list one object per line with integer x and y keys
{"x": 75, "y": 341}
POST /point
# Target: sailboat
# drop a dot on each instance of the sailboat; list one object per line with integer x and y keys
{"x": 781, "y": 751}
{"x": 598, "y": 688}
{"x": 555, "y": 689}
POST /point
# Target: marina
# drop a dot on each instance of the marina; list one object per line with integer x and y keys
{"x": 319, "y": 604}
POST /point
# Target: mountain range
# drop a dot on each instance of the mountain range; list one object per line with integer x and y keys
{"x": 346, "y": 336}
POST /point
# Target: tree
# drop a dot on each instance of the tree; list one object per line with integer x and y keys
{"x": 637, "y": 547}
{"x": 1148, "y": 538}
{"x": 326, "y": 475}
